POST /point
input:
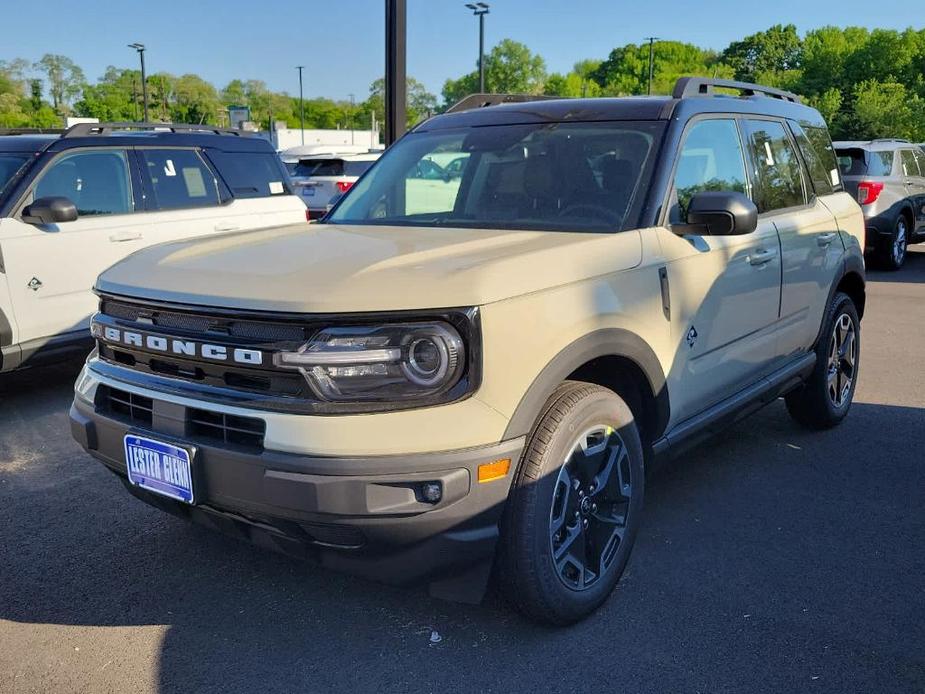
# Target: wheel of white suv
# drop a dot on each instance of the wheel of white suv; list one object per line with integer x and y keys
{"x": 893, "y": 253}
{"x": 824, "y": 400}
{"x": 575, "y": 506}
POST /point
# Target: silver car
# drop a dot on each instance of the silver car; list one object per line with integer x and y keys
{"x": 888, "y": 179}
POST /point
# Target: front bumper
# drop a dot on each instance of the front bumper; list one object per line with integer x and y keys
{"x": 359, "y": 515}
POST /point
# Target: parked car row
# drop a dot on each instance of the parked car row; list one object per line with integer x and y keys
{"x": 888, "y": 179}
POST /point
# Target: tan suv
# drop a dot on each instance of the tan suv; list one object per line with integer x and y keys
{"x": 441, "y": 379}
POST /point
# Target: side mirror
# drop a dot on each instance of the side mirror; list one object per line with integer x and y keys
{"x": 723, "y": 213}
{"x": 50, "y": 210}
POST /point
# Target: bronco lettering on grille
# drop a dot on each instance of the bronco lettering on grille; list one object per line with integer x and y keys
{"x": 170, "y": 345}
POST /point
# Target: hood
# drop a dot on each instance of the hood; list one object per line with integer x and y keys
{"x": 329, "y": 268}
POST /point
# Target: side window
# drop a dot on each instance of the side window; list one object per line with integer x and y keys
{"x": 251, "y": 174}
{"x": 778, "y": 172}
{"x": 96, "y": 181}
{"x": 920, "y": 158}
{"x": 178, "y": 178}
{"x": 817, "y": 151}
{"x": 710, "y": 159}
{"x": 910, "y": 167}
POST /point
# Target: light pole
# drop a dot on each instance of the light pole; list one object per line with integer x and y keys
{"x": 352, "y": 110}
{"x": 140, "y": 47}
{"x": 301, "y": 104}
{"x": 480, "y": 9}
{"x": 651, "y": 40}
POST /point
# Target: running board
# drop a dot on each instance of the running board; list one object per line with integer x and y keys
{"x": 692, "y": 431}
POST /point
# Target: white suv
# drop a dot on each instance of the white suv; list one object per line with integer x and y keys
{"x": 73, "y": 204}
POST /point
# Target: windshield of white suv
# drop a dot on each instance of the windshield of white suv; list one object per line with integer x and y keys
{"x": 548, "y": 176}
{"x": 9, "y": 165}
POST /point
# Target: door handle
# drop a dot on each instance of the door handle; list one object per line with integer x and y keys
{"x": 761, "y": 256}
{"x": 123, "y": 236}
{"x": 825, "y": 239}
{"x": 226, "y": 227}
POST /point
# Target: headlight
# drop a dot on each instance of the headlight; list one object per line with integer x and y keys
{"x": 383, "y": 363}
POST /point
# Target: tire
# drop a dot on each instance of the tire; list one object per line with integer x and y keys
{"x": 892, "y": 255}
{"x": 540, "y": 518}
{"x": 822, "y": 402}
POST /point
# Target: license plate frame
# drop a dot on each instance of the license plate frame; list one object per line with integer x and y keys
{"x": 169, "y": 472}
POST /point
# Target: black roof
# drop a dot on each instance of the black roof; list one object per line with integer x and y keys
{"x": 56, "y": 143}
{"x": 691, "y": 96}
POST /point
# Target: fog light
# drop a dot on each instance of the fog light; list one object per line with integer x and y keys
{"x": 432, "y": 492}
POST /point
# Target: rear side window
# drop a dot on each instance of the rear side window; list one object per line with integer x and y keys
{"x": 910, "y": 166}
{"x": 819, "y": 155}
{"x": 97, "y": 181}
{"x": 178, "y": 178}
{"x": 778, "y": 172}
{"x": 920, "y": 158}
{"x": 710, "y": 159}
{"x": 250, "y": 174}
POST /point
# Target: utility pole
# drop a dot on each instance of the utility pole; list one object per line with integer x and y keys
{"x": 480, "y": 9}
{"x": 144, "y": 79}
{"x": 651, "y": 40}
{"x": 396, "y": 85}
{"x": 352, "y": 110}
{"x": 301, "y": 104}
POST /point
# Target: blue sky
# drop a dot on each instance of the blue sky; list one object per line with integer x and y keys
{"x": 341, "y": 41}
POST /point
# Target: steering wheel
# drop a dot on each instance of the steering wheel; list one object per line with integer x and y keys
{"x": 586, "y": 210}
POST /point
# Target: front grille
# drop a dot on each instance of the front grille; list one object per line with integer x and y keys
{"x": 125, "y": 406}
{"x": 225, "y": 428}
{"x": 200, "y": 425}
{"x": 171, "y": 319}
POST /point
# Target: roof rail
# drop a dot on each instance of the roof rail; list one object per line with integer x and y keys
{"x": 703, "y": 86}
{"x": 890, "y": 139}
{"x": 31, "y": 131}
{"x": 85, "y": 129}
{"x": 474, "y": 101}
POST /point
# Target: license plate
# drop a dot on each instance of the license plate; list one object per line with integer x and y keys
{"x": 308, "y": 192}
{"x": 159, "y": 467}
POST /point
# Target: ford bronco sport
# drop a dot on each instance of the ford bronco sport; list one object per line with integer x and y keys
{"x": 429, "y": 385}
{"x": 73, "y": 203}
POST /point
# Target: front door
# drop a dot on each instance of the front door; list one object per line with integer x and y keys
{"x": 725, "y": 290}
{"x": 51, "y": 269}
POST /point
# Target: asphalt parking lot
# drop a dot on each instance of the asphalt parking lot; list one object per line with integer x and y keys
{"x": 770, "y": 559}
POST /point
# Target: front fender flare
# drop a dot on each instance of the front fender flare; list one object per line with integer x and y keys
{"x": 600, "y": 343}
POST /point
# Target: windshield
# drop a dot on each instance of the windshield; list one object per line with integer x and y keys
{"x": 9, "y": 165}
{"x": 549, "y": 176}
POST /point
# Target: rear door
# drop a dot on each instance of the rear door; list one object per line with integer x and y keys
{"x": 725, "y": 290}
{"x": 797, "y": 181}
{"x": 52, "y": 268}
{"x": 919, "y": 203}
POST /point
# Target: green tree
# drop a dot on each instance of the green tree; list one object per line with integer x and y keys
{"x": 774, "y": 50}
{"x": 421, "y": 104}
{"x": 626, "y": 69}
{"x": 510, "y": 68}
{"x": 887, "y": 109}
{"x": 65, "y": 80}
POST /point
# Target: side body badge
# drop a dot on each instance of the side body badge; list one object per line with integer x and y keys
{"x": 691, "y": 336}
{"x": 35, "y": 284}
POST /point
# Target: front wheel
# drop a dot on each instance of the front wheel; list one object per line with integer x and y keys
{"x": 575, "y": 506}
{"x": 824, "y": 400}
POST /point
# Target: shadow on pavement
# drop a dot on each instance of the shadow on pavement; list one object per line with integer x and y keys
{"x": 912, "y": 272}
{"x": 753, "y": 547}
